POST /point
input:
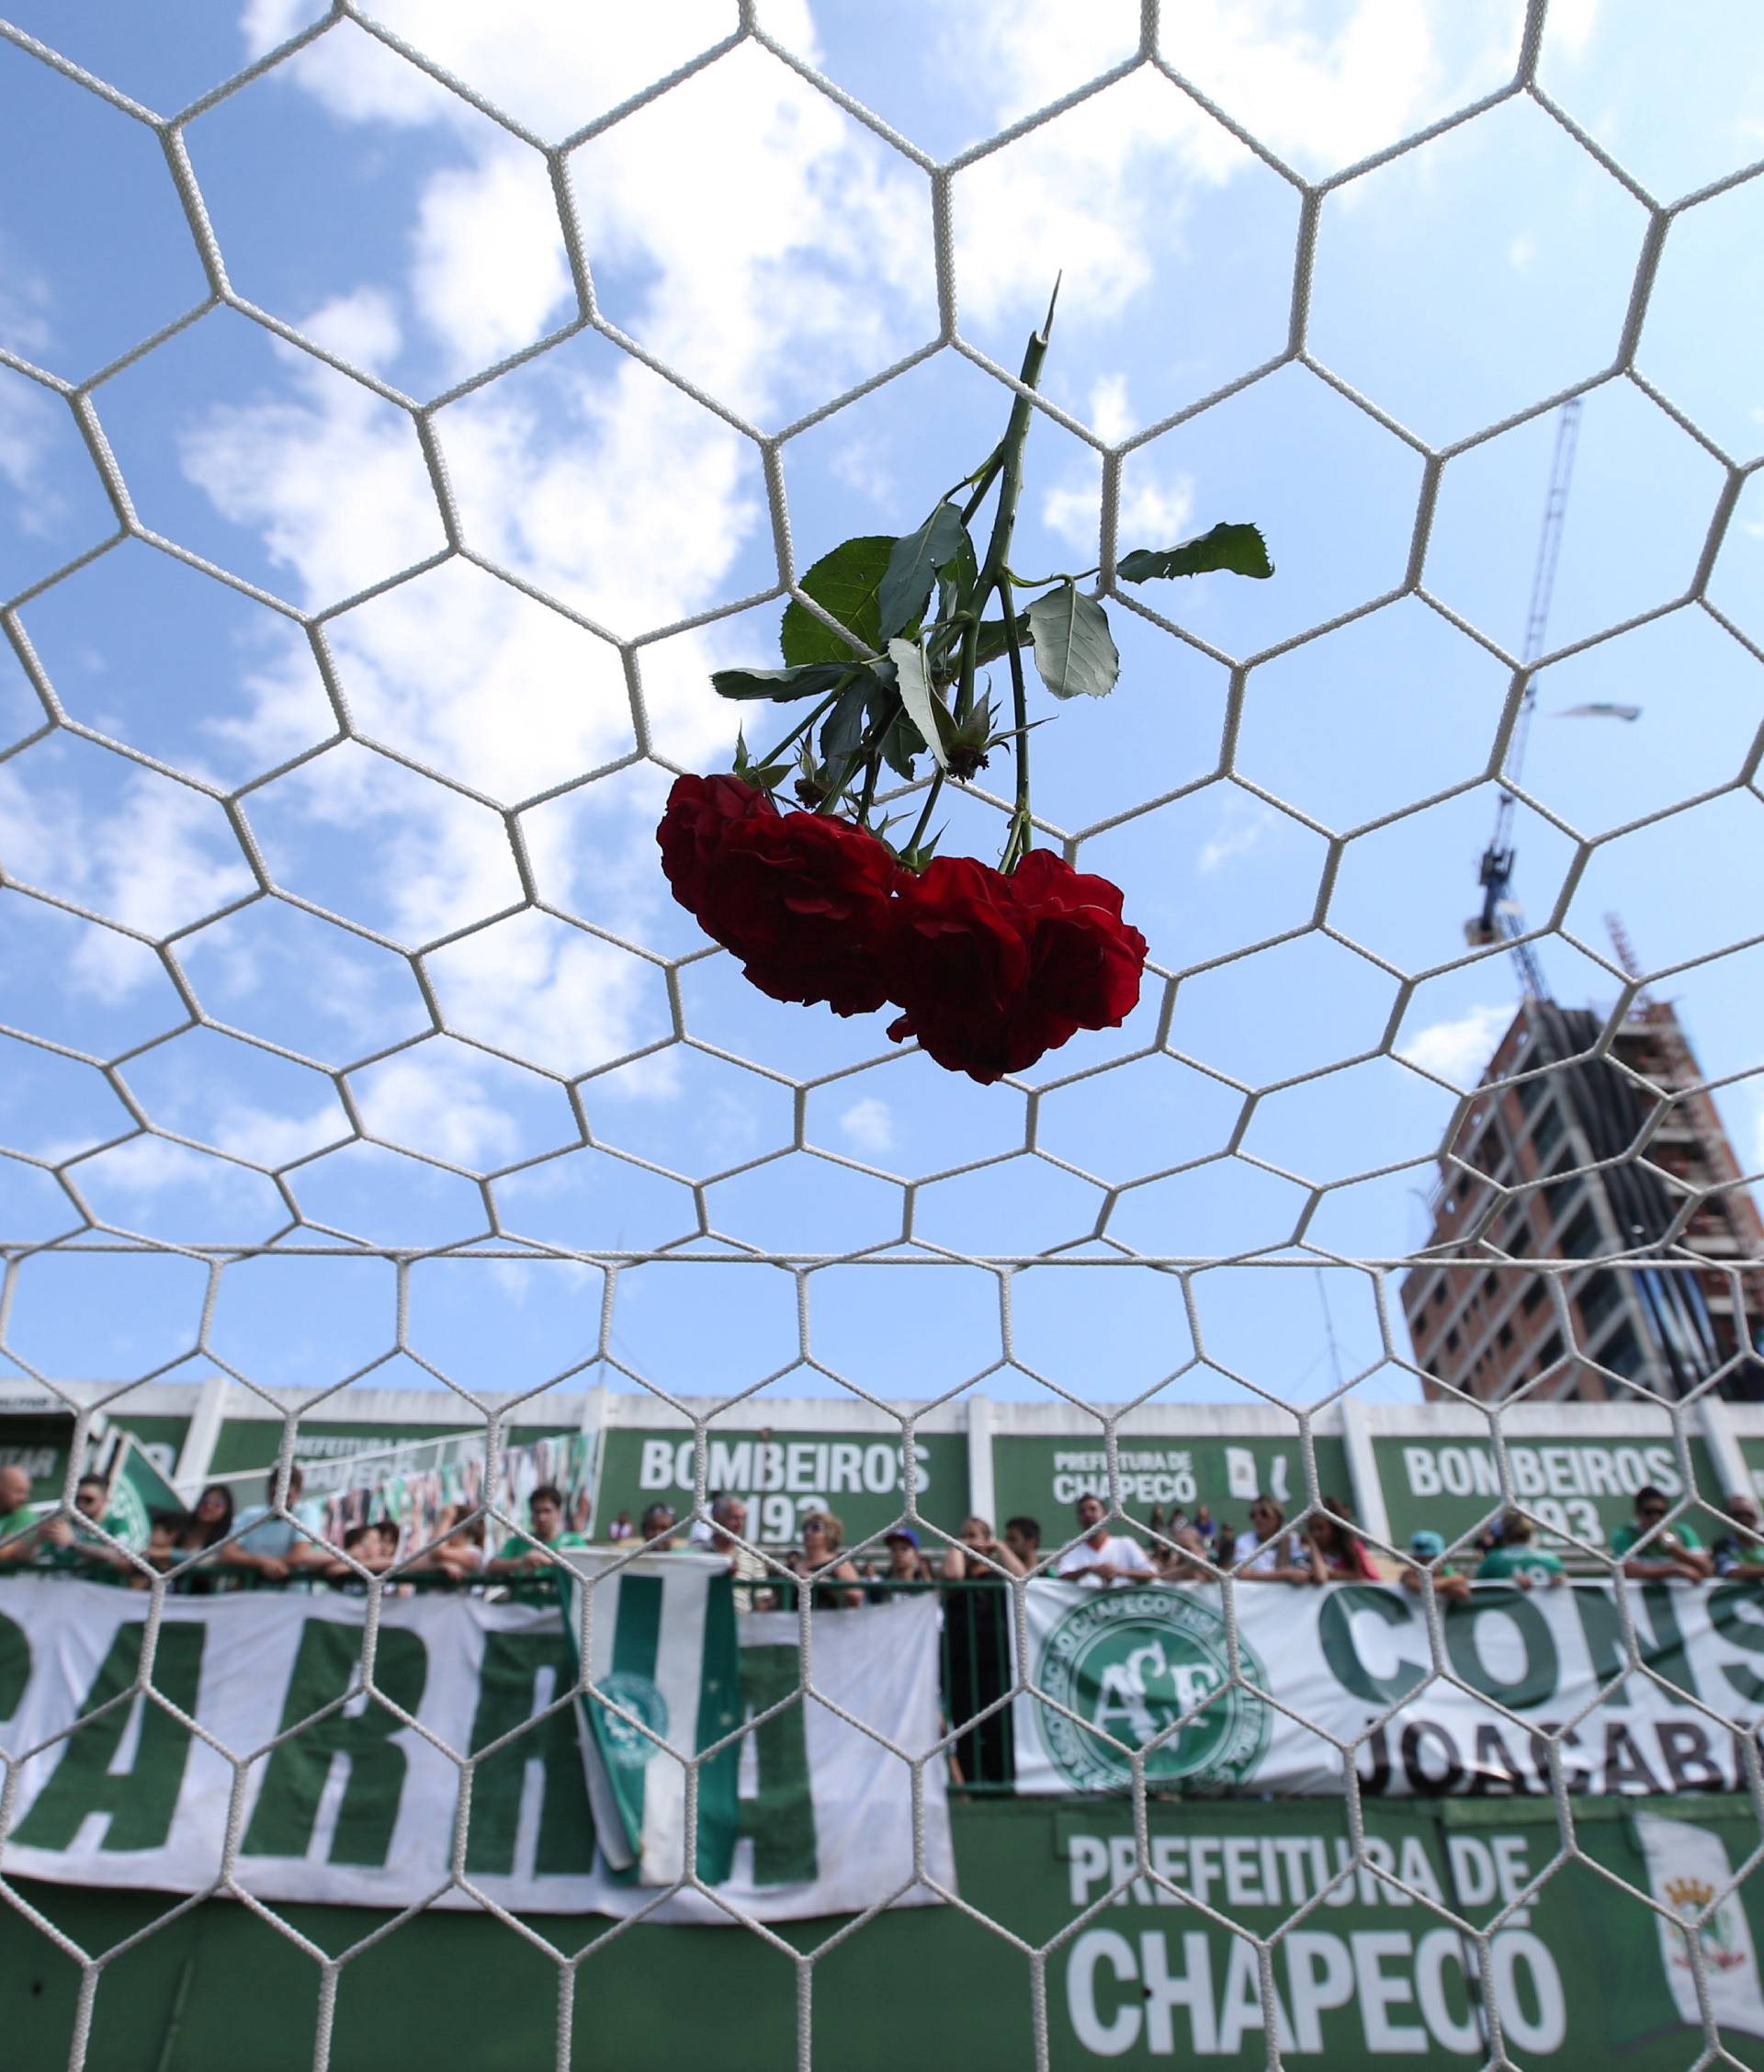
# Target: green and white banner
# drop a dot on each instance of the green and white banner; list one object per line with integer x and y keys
{"x": 1364, "y": 1971}
{"x": 1123, "y": 1666}
{"x": 664, "y": 1675}
{"x": 1689, "y": 1872}
{"x": 357, "y": 1806}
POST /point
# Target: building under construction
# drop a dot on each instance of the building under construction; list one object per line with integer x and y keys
{"x": 1619, "y": 1158}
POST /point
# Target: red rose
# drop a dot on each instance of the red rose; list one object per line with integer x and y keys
{"x": 994, "y": 971}
{"x": 700, "y": 812}
{"x": 805, "y": 901}
{"x": 961, "y": 970}
{"x": 1085, "y": 961}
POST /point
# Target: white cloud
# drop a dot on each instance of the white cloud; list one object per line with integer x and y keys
{"x": 869, "y": 1125}
{"x": 270, "y": 1139}
{"x": 859, "y": 464}
{"x": 490, "y": 266}
{"x": 1150, "y": 514}
{"x": 1242, "y": 823}
{"x": 155, "y": 857}
{"x": 147, "y": 1167}
{"x": 1154, "y": 514}
{"x": 436, "y": 1105}
{"x": 362, "y": 328}
{"x": 1521, "y": 253}
{"x": 591, "y": 477}
{"x": 1154, "y": 510}
{"x": 28, "y": 413}
{"x": 1459, "y": 1050}
{"x": 553, "y": 996}
{"x": 1571, "y": 26}
{"x": 1102, "y": 186}
{"x": 276, "y": 466}
{"x": 1069, "y": 510}
{"x": 1111, "y": 416}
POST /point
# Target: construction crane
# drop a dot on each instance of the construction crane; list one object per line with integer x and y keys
{"x": 1500, "y": 918}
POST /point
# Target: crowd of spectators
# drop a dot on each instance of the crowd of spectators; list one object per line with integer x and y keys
{"x": 209, "y": 1549}
{"x": 1654, "y": 1547}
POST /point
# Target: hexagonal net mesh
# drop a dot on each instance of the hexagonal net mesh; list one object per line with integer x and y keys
{"x": 1226, "y": 1161}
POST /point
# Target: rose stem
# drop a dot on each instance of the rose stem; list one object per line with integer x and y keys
{"x": 994, "y": 577}
{"x": 870, "y": 776}
{"x": 924, "y": 818}
{"x": 1022, "y": 836}
{"x": 801, "y": 727}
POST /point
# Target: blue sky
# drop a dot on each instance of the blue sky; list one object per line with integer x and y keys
{"x": 776, "y": 254}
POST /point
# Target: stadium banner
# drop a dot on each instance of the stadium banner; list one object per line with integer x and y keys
{"x": 1042, "y": 1475}
{"x": 664, "y": 1663}
{"x": 415, "y": 1484}
{"x": 1578, "y": 1484}
{"x": 1121, "y": 1666}
{"x": 356, "y": 1808}
{"x": 1368, "y": 1972}
{"x": 36, "y": 1434}
{"x": 859, "y": 1476}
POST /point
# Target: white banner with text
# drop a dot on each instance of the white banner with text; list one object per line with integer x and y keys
{"x": 353, "y": 1805}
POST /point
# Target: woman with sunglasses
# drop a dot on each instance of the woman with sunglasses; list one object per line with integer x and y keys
{"x": 1268, "y": 1553}
{"x": 820, "y": 1557}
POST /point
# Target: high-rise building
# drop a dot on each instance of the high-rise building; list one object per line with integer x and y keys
{"x": 1580, "y": 1158}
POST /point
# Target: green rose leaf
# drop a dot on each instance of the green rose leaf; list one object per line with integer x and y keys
{"x": 956, "y": 579}
{"x": 813, "y": 679}
{"x": 845, "y": 583}
{"x": 900, "y": 742}
{"x": 914, "y": 561}
{"x": 1237, "y": 550}
{"x": 921, "y": 709}
{"x": 843, "y": 728}
{"x": 1074, "y": 650}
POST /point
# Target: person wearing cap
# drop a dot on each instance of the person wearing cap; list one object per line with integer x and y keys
{"x": 906, "y": 1563}
{"x": 1427, "y": 1548}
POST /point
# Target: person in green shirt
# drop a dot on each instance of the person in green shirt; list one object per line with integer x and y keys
{"x": 1672, "y": 1551}
{"x": 520, "y": 1564}
{"x": 91, "y": 1553}
{"x": 1516, "y": 1561}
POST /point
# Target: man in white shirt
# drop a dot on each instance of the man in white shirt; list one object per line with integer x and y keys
{"x": 1102, "y": 1557}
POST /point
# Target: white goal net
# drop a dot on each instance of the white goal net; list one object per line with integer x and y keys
{"x": 402, "y": 429}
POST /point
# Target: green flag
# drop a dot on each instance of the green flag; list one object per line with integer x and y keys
{"x": 137, "y": 1491}
{"x": 663, "y": 1661}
